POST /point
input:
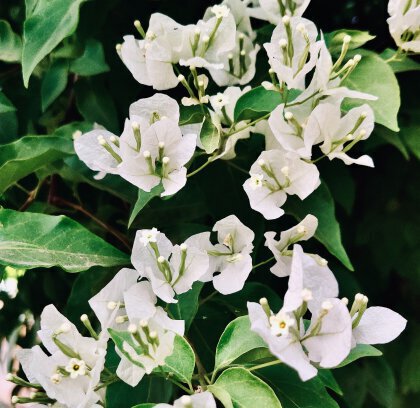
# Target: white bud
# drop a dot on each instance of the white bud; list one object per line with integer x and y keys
{"x": 301, "y": 28}
{"x": 143, "y": 324}
{"x": 362, "y": 133}
{"x": 132, "y": 328}
{"x": 323, "y": 262}
{"x": 263, "y": 301}
{"x": 146, "y": 154}
{"x": 349, "y": 137}
{"x": 153, "y": 335}
{"x": 84, "y": 318}
{"x": 241, "y": 36}
{"x": 181, "y": 78}
{"x": 230, "y": 56}
{"x": 65, "y": 327}
{"x": 101, "y": 140}
{"x": 306, "y": 295}
{"x": 113, "y": 139}
{"x": 301, "y": 229}
{"x": 359, "y": 297}
{"x": 32, "y": 395}
{"x": 120, "y": 319}
{"x": 161, "y": 145}
{"x": 271, "y": 71}
{"x": 135, "y": 125}
{"x": 243, "y": 53}
{"x": 137, "y": 24}
{"x": 118, "y": 47}
{"x": 76, "y": 134}
{"x": 166, "y": 160}
{"x": 206, "y": 39}
{"x": 9, "y": 377}
{"x": 286, "y": 20}
{"x": 186, "y": 400}
{"x": 365, "y": 299}
{"x": 346, "y": 39}
{"x": 357, "y": 58}
{"x": 285, "y": 171}
{"x": 197, "y": 31}
{"x": 363, "y": 115}
{"x": 345, "y": 301}
{"x": 55, "y": 378}
{"x": 283, "y": 43}
{"x": 327, "y": 305}
{"x": 111, "y": 305}
{"x": 288, "y": 115}
{"x": 15, "y": 399}
{"x": 183, "y": 247}
{"x": 161, "y": 259}
{"x": 261, "y": 162}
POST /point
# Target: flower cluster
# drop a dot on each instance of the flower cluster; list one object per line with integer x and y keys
{"x": 310, "y": 122}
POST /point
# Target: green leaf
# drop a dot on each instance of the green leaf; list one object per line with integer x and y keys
{"x": 360, "y": 351}
{"x": 30, "y": 240}
{"x": 181, "y": 362}
{"x": 49, "y": 23}
{"x": 334, "y": 39}
{"x": 327, "y": 378}
{"x": 374, "y": 76}
{"x": 209, "y": 136}
{"x": 244, "y": 389}
{"x": 54, "y": 82}
{"x": 292, "y": 392}
{"x": 190, "y": 114}
{"x": 142, "y": 199}
{"x": 121, "y": 337}
{"x": 321, "y": 204}
{"x": 236, "y": 340}
{"x": 393, "y": 138}
{"x": 5, "y": 104}
{"x": 28, "y": 154}
{"x": 259, "y": 102}
{"x": 92, "y": 61}
{"x": 187, "y": 305}
{"x": 10, "y": 43}
{"x": 95, "y": 103}
{"x": 150, "y": 391}
{"x": 381, "y": 382}
{"x": 410, "y": 135}
{"x": 401, "y": 64}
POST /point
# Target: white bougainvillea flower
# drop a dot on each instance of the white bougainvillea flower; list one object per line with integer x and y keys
{"x": 211, "y": 38}
{"x": 171, "y": 269}
{"x": 404, "y": 24}
{"x": 293, "y": 50}
{"x": 238, "y": 64}
{"x": 339, "y": 134}
{"x": 108, "y": 303}
{"x": 240, "y": 14}
{"x": 201, "y": 400}
{"x": 282, "y": 335}
{"x": 309, "y": 282}
{"x": 231, "y": 256}
{"x": 283, "y": 174}
{"x": 163, "y": 155}
{"x": 328, "y": 338}
{"x": 147, "y": 111}
{"x": 374, "y": 325}
{"x": 273, "y": 10}
{"x": 280, "y": 249}
{"x": 73, "y": 370}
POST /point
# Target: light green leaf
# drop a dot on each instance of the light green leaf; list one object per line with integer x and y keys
{"x": 121, "y": 337}
{"x": 321, "y": 204}
{"x": 236, "y": 340}
{"x": 360, "y": 351}
{"x": 142, "y": 199}
{"x": 259, "y": 102}
{"x": 209, "y": 136}
{"x": 245, "y": 390}
{"x": 187, "y": 305}
{"x": 292, "y": 392}
{"x": 30, "y": 240}
{"x": 334, "y": 39}
{"x": 181, "y": 362}
{"x": 28, "y": 154}
{"x": 49, "y": 23}
{"x": 54, "y": 82}
{"x": 374, "y": 76}
{"x": 190, "y": 114}
{"x": 10, "y": 43}
{"x": 5, "y": 104}
{"x": 401, "y": 64}
{"x": 92, "y": 62}
{"x": 145, "y": 405}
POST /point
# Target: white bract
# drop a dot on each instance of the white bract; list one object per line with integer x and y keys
{"x": 231, "y": 256}
{"x": 274, "y": 176}
{"x": 201, "y": 400}
{"x": 404, "y": 24}
{"x": 293, "y": 51}
{"x": 280, "y": 249}
{"x": 273, "y": 10}
{"x": 171, "y": 269}
{"x": 72, "y": 371}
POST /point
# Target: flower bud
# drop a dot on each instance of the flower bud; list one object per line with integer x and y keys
{"x": 346, "y": 39}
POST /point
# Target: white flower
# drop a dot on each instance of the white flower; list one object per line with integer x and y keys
{"x": 75, "y": 367}
{"x": 338, "y": 134}
{"x": 163, "y": 155}
{"x": 220, "y": 11}
{"x": 219, "y": 101}
{"x": 280, "y": 323}
{"x": 301, "y": 232}
{"x": 108, "y": 304}
{"x": 231, "y": 256}
{"x": 270, "y": 10}
{"x": 170, "y": 268}
{"x": 201, "y": 400}
{"x": 283, "y": 174}
{"x": 256, "y": 180}
{"x": 148, "y": 236}
{"x": 293, "y": 50}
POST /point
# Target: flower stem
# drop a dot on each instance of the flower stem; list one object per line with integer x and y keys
{"x": 209, "y": 160}
{"x": 270, "y": 363}
{"x": 263, "y": 262}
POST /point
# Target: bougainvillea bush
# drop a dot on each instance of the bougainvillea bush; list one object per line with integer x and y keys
{"x": 192, "y": 211}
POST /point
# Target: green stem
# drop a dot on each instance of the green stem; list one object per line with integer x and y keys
{"x": 270, "y": 363}
{"x": 264, "y": 262}
{"x": 208, "y": 297}
{"x": 209, "y": 160}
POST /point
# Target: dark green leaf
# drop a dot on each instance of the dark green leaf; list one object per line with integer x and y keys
{"x": 45, "y": 28}
{"x": 142, "y": 199}
{"x": 321, "y": 204}
{"x": 401, "y": 64}
{"x": 10, "y": 43}
{"x": 190, "y": 114}
{"x": 334, "y": 39}
{"x": 5, "y": 104}
{"x": 29, "y": 240}
{"x": 54, "y": 82}
{"x": 360, "y": 351}
{"x": 92, "y": 62}
{"x": 327, "y": 378}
